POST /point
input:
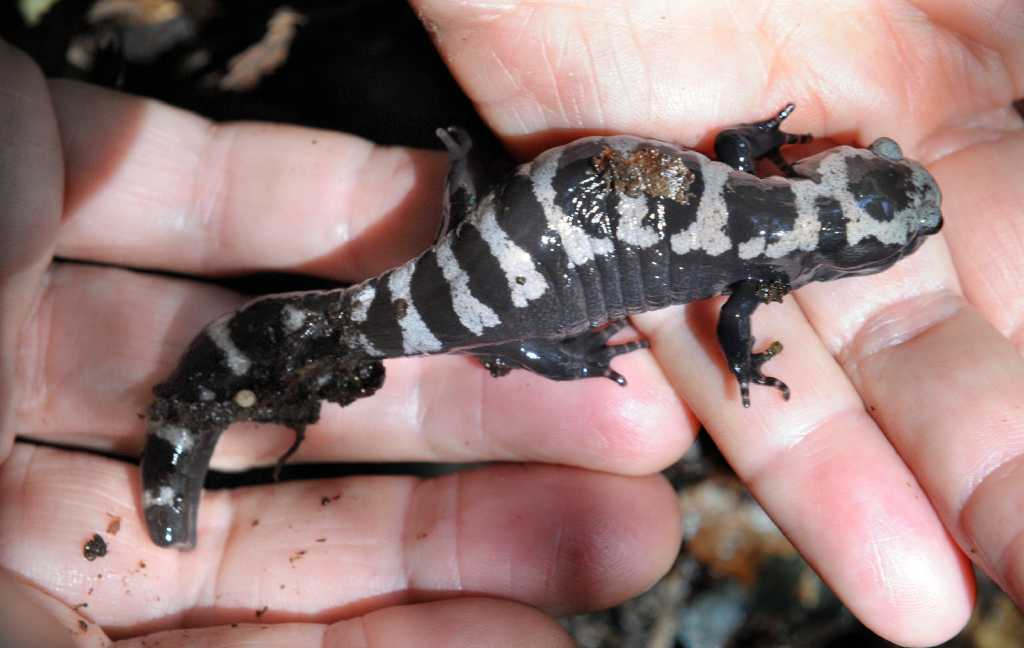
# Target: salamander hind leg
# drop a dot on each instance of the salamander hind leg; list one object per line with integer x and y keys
{"x": 737, "y": 341}
{"x": 473, "y": 170}
{"x": 586, "y": 355}
{"x": 461, "y": 193}
{"x": 741, "y": 146}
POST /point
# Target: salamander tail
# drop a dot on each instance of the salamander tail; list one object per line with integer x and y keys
{"x": 174, "y": 466}
{"x": 273, "y": 361}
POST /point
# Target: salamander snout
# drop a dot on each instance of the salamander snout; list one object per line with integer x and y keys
{"x": 895, "y": 187}
{"x": 927, "y": 199}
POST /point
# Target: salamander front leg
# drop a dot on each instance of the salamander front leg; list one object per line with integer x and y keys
{"x": 586, "y": 355}
{"x": 743, "y": 145}
{"x": 736, "y": 340}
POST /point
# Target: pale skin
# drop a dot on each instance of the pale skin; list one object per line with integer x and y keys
{"x": 898, "y": 461}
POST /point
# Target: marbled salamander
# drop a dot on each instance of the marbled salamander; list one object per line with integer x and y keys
{"x": 530, "y": 265}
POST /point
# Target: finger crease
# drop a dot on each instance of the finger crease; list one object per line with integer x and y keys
{"x": 799, "y": 442}
{"x": 896, "y": 324}
{"x": 34, "y": 344}
{"x": 208, "y": 199}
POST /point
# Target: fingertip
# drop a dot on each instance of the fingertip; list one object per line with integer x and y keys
{"x": 30, "y": 164}
{"x": 575, "y": 540}
{"x": 636, "y": 524}
{"x": 640, "y": 435}
{"x": 937, "y": 609}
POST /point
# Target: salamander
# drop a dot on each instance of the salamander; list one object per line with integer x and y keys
{"x": 536, "y": 267}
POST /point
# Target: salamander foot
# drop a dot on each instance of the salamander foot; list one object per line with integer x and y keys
{"x": 586, "y": 355}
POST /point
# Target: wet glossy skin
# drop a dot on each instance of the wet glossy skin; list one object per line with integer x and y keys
{"x": 527, "y": 270}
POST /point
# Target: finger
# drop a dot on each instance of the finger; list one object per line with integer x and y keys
{"x": 557, "y": 538}
{"x": 982, "y": 200}
{"x": 151, "y": 186}
{"x": 102, "y": 337}
{"x": 29, "y": 159}
{"x": 536, "y": 68}
{"x": 966, "y": 446}
{"x": 30, "y": 618}
{"x": 823, "y": 470}
{"x": 30, "y": 167}
{"x": 467, "y": 622}
{"x": 946, "y": 385}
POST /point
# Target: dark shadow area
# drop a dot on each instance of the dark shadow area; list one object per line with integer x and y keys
{"x": 219, "y": 479}
{"x": 363, "y": 66}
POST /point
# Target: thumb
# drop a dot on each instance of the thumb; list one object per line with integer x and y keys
{"x": 31, "y": 200}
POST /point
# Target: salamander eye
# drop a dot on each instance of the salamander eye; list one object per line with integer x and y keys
{"x": 887, "y": 148}
{"x": 878, "y": 207}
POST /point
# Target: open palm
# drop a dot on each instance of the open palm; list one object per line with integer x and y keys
{"x": 899, "y": 454}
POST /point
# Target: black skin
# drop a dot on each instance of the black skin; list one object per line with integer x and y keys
{"x": 471, "y": 171}
{"x": 588, "y": 354}
{"x": 304, "y": 371}
{"x": 737, "y": 341}
{"x": 292, "y": 372}
{"x": 740, "y": 147}
{"x": 581, "y": 356}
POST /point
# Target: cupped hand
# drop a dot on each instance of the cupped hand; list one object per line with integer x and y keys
{"x": 900, "y": 457}
{"x": 98, "y": 185}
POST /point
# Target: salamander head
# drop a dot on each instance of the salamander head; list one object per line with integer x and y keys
{"x": 906, "y": 185}
{"x": 880, "y": 207}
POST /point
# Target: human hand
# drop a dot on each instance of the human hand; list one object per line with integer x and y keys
{"x": 892, "y": 562}
{"x": 900, "y": 454}
{"x": 92, "y": 175}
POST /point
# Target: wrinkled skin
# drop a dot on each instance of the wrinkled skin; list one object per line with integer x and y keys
{"x": 889, "y": 500}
